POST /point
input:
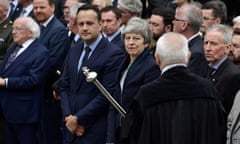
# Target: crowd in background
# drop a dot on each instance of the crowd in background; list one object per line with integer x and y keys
{"x": 172, "y": 65}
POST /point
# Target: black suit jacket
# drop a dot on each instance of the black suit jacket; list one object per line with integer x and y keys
{"x": 118, "y": 41}
{"x": 198, "y": 63}
{"x": 177, "y": 108}
{"x": 227, "y": 81}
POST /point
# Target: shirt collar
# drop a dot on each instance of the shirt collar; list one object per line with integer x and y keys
{"x": 166, "y": 68}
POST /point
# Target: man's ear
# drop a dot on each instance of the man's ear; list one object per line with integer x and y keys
{"x": 157, "y": 59}
{"x": 189, "y": 55}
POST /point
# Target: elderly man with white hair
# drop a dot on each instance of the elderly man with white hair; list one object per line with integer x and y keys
{"x": 22, "y": 75}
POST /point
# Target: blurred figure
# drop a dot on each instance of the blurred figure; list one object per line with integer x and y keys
{"x": 5, "y": 29}
{"x": 236, "y": 23}
{"x": 214, "y": 12}
{"x": 5, "y": 42}
{"x": 22, "y": 76}
{"x": 14, "y": 9}
{"x": 222, "y": 72}
{"x": 233, "y": 132}
{"x": 180, "y": 3}
{"x": 66, "y": 10}
{"x": 160, "y": 22}
{"x": 235, "y": 50}
{"x": 188, "y": 20}
{"x": 111, "y": 22}
{"x": 101, "y": 3}
{"x": 149, "y": 5}
{"x": 84, "y": 107}
{"x": 137, "y": 69}
{"x": 172, "y": 109}
{"x": 54, "y": 37}
{"x": 129, "y": 9}
{"x": 27, "y": 8}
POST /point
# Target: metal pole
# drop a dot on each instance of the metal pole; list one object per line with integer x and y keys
{"x": 92, "y": 77}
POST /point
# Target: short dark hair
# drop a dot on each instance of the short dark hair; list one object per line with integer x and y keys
{"x": 219, "y": 9}
{"x": 90, "y": 7}
{"x": 114, "y": 9}
{"x": 167, "y": 13}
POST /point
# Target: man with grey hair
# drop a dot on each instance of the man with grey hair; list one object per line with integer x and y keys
{"x": 22, "y": 75}
{"x": 173, "y": 109}
{"x": 188, "y": 19}
{"x": 129, "y": 9}
{"x": 222, "y": 72}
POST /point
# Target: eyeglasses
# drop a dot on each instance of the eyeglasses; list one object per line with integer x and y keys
{"x": 208, "y": 19}
{"x": 175, "y": 19}
{"x": 17, "y": 29}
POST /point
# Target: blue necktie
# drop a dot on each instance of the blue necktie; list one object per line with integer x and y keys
{"x": 13, "y": 56}
{"x": 42, "y": 28}
{"x": 85, "y": 58}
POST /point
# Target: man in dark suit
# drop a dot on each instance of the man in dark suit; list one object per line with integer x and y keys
{"x": 177, "y": 108}
{"x": 188, "y": 19}
{"x": 84, "y": 108}
{"x": 14, "y": 10}
{"x": 111, "y": 22}
{"x": 223, "y": 73}
{"x": 54, "y": 37}
{"x": 22, "y": 75}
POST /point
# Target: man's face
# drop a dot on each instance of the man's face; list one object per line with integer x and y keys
{"x": 157, "y": 26}
{"x": 3, "y": 13}
{"x": 236, "y": 47}
{"x": 110, "y": 23}
{"x": 214, "y": 47}
{"x": 66, "y": 11}
{"x": 179, "y": 24}
{"x": 42, "y": 10}
{"x": 208, "y": 19}
{"x": 20, "y": 32}
{"x": 126, "y": 15}
{"x": 89, "y": 26}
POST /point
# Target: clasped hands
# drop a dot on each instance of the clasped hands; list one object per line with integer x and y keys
{"x": 73, "y": 126}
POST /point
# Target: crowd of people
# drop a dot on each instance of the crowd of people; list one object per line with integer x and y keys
{"x": 172, "y": 65}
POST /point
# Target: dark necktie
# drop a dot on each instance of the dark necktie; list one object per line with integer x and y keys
{"x": 85, "y": 58}
{"x": 13, "y": 55}
{"x": 42, "y": 28}
{"x": 11, "y": 9}
{"x": 211, "y": 72}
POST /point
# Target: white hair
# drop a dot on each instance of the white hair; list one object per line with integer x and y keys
{"x": 172, "y": 48}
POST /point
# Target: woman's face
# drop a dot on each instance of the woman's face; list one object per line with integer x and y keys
{"x": 134, "y": 44}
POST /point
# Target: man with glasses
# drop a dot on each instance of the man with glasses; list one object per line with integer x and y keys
{"x": 188, "y": 19}
{"x": 22, "y": 76}
{"x": 214, "y": 12}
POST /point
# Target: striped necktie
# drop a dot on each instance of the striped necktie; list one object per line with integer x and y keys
{"x": 13, "y": 56}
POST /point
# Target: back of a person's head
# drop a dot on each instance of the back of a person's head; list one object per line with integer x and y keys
{"x": 172, "y": 48}
{"x": 219, "y": 9}
{"x": 134, "y": 6}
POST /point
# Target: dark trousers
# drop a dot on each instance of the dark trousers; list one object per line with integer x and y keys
{"x": 20, "y": 133}
{"x": 51, "y": 122}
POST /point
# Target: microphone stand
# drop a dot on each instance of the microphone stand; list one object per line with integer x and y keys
{"x": 92, "y": 77}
